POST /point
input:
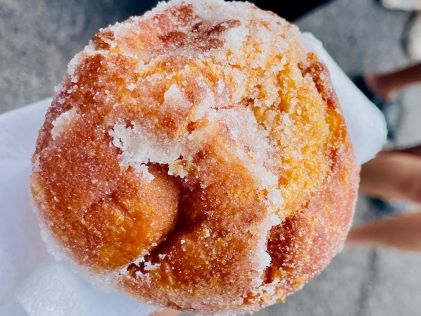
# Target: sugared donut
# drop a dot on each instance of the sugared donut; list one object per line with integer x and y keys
{"x": 198, "y": 158}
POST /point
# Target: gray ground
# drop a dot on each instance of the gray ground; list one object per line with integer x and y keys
{"x": 37, "y": 39}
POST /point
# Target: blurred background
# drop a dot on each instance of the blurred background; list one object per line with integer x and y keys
{"x": 39, "y": 37}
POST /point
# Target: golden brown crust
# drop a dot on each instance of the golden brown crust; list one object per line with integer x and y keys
{"x": 200, "y": 173}
{"x": 309, "y": 239}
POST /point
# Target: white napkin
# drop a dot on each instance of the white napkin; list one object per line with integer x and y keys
{"x": 32, "y": 283}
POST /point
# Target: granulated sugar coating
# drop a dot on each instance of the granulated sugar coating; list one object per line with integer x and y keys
{"x": 196, "y": 156}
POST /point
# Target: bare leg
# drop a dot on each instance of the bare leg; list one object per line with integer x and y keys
{"x": 388, "y": 84}
{"x": 402, "y": 232}
{"x": 416, "y": 150}
{"x": 393, "y": 175}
